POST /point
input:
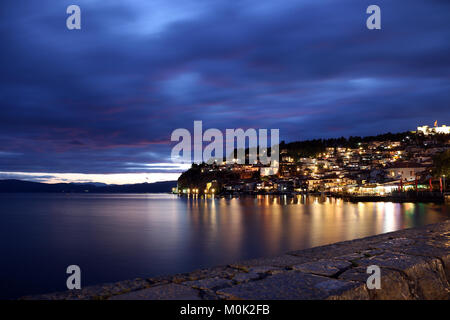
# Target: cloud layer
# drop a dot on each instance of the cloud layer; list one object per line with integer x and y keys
{"x": 106, "y": 98}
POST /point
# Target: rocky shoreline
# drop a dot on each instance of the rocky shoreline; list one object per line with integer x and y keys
{"x": 414, "y": 263}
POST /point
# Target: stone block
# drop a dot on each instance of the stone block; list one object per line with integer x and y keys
{"x": 290, "y": 285}
{"x": 169, "y": 291}
{"x": 209, "y": 283}
{"x": 328, "y": 268}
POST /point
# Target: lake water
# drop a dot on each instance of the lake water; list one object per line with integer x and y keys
{"x": 123, "y": 236}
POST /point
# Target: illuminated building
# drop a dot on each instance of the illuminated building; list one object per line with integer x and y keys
{"x": 426, "y": 130}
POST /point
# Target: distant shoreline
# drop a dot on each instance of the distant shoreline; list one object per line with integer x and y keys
{"x": 20, "y": 186}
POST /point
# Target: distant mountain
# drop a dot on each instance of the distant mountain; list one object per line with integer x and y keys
{"x": 10, "y": 186}
{"x": 97, "y": 184}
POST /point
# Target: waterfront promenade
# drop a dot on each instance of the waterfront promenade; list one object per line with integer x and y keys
{"x": 414, "y": 263}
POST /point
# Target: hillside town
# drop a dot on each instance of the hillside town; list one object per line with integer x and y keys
{"x": 372, "y": 166}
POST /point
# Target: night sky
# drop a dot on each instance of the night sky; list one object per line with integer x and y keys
{"x": 106, "y": 98}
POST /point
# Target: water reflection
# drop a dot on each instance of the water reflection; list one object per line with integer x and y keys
{"x": 274, "y": 224}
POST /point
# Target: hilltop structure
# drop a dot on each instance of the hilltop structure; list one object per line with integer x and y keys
{"x": 426, "y": 130}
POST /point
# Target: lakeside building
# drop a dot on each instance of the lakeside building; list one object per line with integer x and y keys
{"x": 367, "y": 168}
{"x": 406, "y": 171}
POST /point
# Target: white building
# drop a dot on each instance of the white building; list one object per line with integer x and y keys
{"x": 426, "y": 130}
{"x": 406, "y": 171}
{"x": 268, "y": 171}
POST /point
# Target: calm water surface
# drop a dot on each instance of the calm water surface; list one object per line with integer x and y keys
{"x": 116, "y": 237}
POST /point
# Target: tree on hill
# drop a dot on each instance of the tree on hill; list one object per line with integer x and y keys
{"x": 441, "y": 164}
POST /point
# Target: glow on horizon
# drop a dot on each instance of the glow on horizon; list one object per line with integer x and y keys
{"x": 112, "y": 178}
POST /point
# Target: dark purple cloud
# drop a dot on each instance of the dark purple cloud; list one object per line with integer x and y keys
{"x": 105, "y": 99}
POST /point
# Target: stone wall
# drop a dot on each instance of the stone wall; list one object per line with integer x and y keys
{"x": 414, "y": 263}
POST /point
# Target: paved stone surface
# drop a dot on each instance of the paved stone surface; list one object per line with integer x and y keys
{"x": 352, "y": 256}
{"x": 281, "y": 261}
{"x": 415, "y": 264}
{"x": 265, "y": 269}
{"x": 424, "y": 250}
{"x": 246, "y": 276}
{"x": 327, "y": 268}
{"x": 169, "y": 291}
{"x": 394, "y": 243}
{"x": 371, "y": 252}
{"x": 98, "y": 292}
{"x": 209, "y": 283}
{"x": 221, "y": 272}
{"x": 287, "y": 286}
{"x": 325, "y": 252}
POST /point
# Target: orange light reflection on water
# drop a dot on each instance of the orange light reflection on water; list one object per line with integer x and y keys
{"x": 279, "y": 222}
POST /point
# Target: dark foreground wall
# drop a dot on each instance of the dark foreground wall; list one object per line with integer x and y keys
{"x": 414, "y": 263}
